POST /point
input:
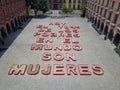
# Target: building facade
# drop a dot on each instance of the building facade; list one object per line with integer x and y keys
{"x": 12, "y": 15}
{"x": 105, "y": 16}
{"x": 58, "y": 4}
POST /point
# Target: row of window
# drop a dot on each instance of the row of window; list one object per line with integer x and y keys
{"x": 102, "y": 2}
{"x": 109, "y": 14}
{"x": 64, "y": 1}
{"x": 9, "y": 2}
{"x": 74, "y": 7}
{"x": 8, "y": 11}
{"x": 93, "y": 6}
{"x": 105, "y": 12}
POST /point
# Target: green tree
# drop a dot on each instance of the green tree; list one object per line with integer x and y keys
{"x": 64, "y": 10}
{"x": 83, "y": 8}
{"x": 38, "y": 5}
{"x": 27, "y": 5}
{"x": 67, "y": 10}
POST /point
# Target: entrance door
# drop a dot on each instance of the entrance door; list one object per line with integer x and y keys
{"x": 55, "y": 6}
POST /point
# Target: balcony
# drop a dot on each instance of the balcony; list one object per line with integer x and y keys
{"x": 103, "y": 18}
{"x": 117, "y": 12}
{"x": 118, "y": 28}
{"x": 112, "y": 24}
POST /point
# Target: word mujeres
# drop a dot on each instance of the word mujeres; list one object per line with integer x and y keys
{"x": 56, "y": 69}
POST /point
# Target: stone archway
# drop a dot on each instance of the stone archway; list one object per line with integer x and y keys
{"x": 21, "y": 18}
{"x": 19, "y": 22}
{"x": 12, "y": 26}
{"x": 106, "y": 30}
{"x": 116, "y": 39}
{"x": 98, "y": 24}
{"x": 95, "y": 21}
{"x": 102, "y": 27}
{"x": 92, "y": 19}
{"x": 8, "y": 28}
{"x": 110, "y": 35}
{"x": 3, "y": 33}
{"x": 16, "y": 24}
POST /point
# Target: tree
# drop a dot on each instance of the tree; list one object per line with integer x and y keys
{"x": 38, "y": 5}
{"x": 64, "y": 10}
{"x": 27, "y": 5}
{"x": 67, "y": 10}
{"x": 83, "y": 9}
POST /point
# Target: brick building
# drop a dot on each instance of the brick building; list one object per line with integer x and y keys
{"x": 58, "y": 4}
{"x": 12, "y": 15}
{"x": 105, "y": 16}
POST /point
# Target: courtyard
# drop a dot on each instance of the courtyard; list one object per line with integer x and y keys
{"x": 78, "y": 58}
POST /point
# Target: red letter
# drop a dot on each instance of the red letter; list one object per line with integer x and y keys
{"x": 83, "y": 69}
{"x": 59, "y": 47}
{"x": 70, "y": 57}
{"x": 48, "y": 71}
{"x": 67, "y": 47}
{"x": 48, "y": 47}
{"x": 33, "y": 72}
{"x": 46, "y": 56}
{"x": 77, "y": 48}
{"x": 17, "y": 69}
{"x": 97, "y": 70}
{"x": 58, "y": 69}
{"x": 58, "y": 57}
{"x": 66, "y": 40}
{"x": 50, "y": 40}
{"x": 36, "y": 47}
{"x": 71, "y": 69}
{"x": 40, "y": 40}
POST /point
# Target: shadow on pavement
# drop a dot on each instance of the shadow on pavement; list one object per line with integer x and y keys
{"x": 11, "y": 37}
{"x": 39, "y": 16}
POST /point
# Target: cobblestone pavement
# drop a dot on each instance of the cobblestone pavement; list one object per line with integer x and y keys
{"x": 96, "y": 50}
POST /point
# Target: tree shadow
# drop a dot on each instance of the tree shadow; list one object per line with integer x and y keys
{"x": 42, "y": 16}
{"x": 11, "y": 37}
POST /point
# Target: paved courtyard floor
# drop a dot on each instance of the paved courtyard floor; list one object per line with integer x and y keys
{"x": 95, "y": 50}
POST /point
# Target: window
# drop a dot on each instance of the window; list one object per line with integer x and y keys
{"x": 113, "y": 4}
{"x": 107, "y": 3}
{"x": 0, "y": 3}
{"x": 78, "y": 7}
{"x": 78, "y": 1}
{"x": 115, "y": 18}
{"x": 74, "y": 1}
{"x": 1, "y": 15}
{"x": 98, "y": 9}
{"x": 69, "y": 6}
{"x": 55, "y": 1}
{"x": 95, "y": 8}
{"x": 49, "y": 1}
{"x": 70, "y": 1}
{"x": 101, "y": 11}
{"x": 118, "y": 7}
{"x": 110, "y": 14}
{"x": 74, "y": 7}
{"x": 102, "y": 2}
{"x": 98, "y": 1}
{"x": 105, "y": 12}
